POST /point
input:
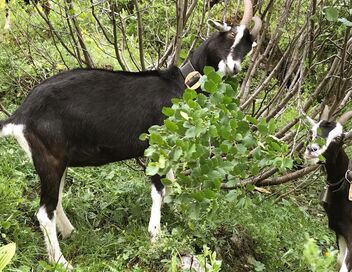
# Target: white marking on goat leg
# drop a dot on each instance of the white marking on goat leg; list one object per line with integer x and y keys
{"x": 342, "y": 250}
{"x": 7, "y": 21}
{"x": 16, "y": 130}
{"x": 155, "y": 215}
{"x": 48, "y": 228}
{"x": 63, "y": 223}
{"x": 344, "y": 264}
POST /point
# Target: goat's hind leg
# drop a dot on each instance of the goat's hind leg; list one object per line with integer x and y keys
{"x": 63, "y": 223}
{"x": 50, "y": 171}
{"x": 7, "y": 15}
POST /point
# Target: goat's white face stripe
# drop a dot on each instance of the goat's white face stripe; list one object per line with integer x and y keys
{"x": 239, "y": 35}
{"x": 319, "y": 150}
{"x": 16, "y": 130}
{"x": 336, "y": 132}
{"x": 228, "y": 65}
{"x": 315, "y": 130}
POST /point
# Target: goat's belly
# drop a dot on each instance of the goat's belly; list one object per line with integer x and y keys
{"x": 96, "y": 156}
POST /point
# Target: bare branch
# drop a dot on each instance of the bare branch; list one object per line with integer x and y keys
{"x": 140, "y": 35}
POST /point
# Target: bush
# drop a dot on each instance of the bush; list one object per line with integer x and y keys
{"x": 207, "y": 140}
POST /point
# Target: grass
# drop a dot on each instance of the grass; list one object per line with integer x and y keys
{"x": 109, "y": 206}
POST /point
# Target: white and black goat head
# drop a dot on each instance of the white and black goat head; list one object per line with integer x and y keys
{"x": 227, "y": 48}
{"x": 326, "y": 137}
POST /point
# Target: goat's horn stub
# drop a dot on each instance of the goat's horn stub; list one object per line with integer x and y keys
{"x": 345, "y": 117}
{"x": 247, "y": 13}
{"x": 325, "y": 113}
{"x": 257, "y": 26}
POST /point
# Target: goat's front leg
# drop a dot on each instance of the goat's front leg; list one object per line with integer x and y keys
{"x": 345, "y": 249}
{"x": 157, "y": 193}
{"x": 341, "y": 241}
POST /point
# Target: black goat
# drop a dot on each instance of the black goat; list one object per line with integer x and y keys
{"x": 337, "y": 196}
{"x": 90, "y": 117}
{"x": 44, "y": 3}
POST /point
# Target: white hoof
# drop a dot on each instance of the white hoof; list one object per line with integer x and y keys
{"x": 154, "y": 231}
{"x": 64, "y": 263}
{"x": 67, "y": 232}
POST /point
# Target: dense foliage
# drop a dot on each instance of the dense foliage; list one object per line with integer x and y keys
{"x": 207, "y": 140}
{"x": 227, "y": 136}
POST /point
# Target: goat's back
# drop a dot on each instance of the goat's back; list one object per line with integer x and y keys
{"x": 96, "y": 116}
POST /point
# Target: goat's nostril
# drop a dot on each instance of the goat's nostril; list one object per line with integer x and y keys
{"x": 312, "y": 148}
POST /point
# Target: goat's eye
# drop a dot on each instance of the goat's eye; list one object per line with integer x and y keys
{"x": 231, "y": 35}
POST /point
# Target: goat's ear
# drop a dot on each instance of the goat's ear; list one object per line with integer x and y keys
{"x": 348, "y": 135}
{"x": 310, "y": 120}
{"x": 221, "y": 27}
{"x": 339, "y": 139}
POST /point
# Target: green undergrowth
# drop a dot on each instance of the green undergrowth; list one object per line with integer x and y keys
{"x": 109, "y": 206}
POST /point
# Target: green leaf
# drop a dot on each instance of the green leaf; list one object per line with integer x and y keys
{"x": 243, "y": 127}
{"x": 271, "y": 126}
{"x": 332, "y": 14}
{"x": 172, "y": 126}
{"x": 152, "y": 169}
{"x": 162, "y": 162}
{"x": 143, "y": 136}
{"x": 6, "y": 254}
{"x": 168, "y": 111}
{"x": 184, "y": 115}
{"x": 215, "y": 77}
{"x": 189, "y": 94}
{"x": 251, "y": 119}
{"x": 209, "y": 194}
{"x": 287, "y": 163}
{"x": 210, "y": 87}
{"x": 176, "y": 154}
{"x": 191, "y": 132}
{"x": 156, "y": 139}
{"x": 149, "y": 151}
{"x": 208, "y": 69}
{"x": 263, "y": 127}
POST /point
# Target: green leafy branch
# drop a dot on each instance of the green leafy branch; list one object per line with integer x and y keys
{"x": 207, "y": 140}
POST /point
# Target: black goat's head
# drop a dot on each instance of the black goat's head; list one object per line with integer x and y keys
{"x": 326, "y": 137}
{"x": 227, "y": 48}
